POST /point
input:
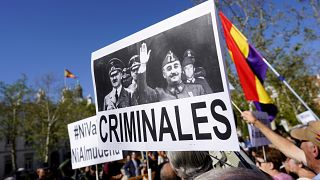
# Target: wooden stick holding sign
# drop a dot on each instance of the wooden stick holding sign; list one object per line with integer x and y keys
{"x": 263, "y": 149}
{"x": 236, "y": 107}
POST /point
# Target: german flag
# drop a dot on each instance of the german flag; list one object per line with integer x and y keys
{"x": 69, "y": 74}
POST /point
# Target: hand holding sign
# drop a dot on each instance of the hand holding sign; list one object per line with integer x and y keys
{"x": 249, "y": 117}
{"x": 144, "y": 57}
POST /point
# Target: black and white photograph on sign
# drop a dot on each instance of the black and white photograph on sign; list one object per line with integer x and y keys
{"x": 178, "y": 63}
{"x": 165, "y": 87}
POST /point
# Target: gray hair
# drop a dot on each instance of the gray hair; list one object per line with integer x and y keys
{"x": 234, "y": 174}
{"x": 189, "y": 164}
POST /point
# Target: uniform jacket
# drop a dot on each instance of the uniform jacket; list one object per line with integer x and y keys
{"x": 204, "y": 83}
{"x": 149, "y": 95}
{"x": 126, "y": 99}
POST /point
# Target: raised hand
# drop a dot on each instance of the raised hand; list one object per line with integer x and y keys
{"x": 144, "y": 58}
{"x": 144, "y": 54}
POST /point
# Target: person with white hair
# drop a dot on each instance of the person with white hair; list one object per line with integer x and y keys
{"x": 234, "y": 174}
{"x": 190, "y": 164}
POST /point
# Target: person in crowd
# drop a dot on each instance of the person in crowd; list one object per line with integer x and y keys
{"x": 134, "y": 64}
{"x": 297, "y": 170}
{"x": 167, "y": 172}
{"x": 42, "y": 171}
{"x": 272, "y": 164}
{"x": 91, "y": 172}
{"x": 233, "y": 174}
{"x": 309, "y": 136}
{"x": 119, "y": 96}
{"x": 81, "y": 174}
{"x": 153, "y": 160}
{"x": 112, "y": 170}
{"x": 171, "y": 72}
{"x": 66, "y": 170}
{"x": 189, "y": 71}
{"x": 132, "y": 167}
{"x": 189, "y": 164}
{"x": 162, "y": 157}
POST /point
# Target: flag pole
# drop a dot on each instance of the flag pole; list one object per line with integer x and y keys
{"x": 289, "y": 87}
{"x": 65, "y": 78}
{"x": 65, "y": 82}
{"x": 236, "y": 107}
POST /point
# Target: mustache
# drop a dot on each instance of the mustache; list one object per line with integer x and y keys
{"x": 173, "y": 74}
{"x": 115, "y": 80}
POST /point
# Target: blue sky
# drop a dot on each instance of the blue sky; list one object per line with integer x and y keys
{"x": 39, "y": 37}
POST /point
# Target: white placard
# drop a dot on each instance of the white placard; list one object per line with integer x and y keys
{"x": 257, "y": 138}
{"x": 159, "y": 109}
{"x": 84, "y": 145}
{"x": 306, "y": 117}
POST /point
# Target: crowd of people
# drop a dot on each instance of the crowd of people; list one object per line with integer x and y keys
{"x": 294, "y": 157}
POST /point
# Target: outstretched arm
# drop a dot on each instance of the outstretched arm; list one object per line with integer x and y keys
{"x": 145, "y": 93}
{"x": 284, "y": 145}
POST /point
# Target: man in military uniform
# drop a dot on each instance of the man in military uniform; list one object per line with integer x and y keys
{"x": 171, "y": 71}
{"x": 134, "y": 64}
{"x": 189, "y": 72}
{"x": 119, "y": 96}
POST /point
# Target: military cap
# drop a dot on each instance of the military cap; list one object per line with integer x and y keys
{"x": 188, "y": 57}
{"x": 134, "y": 62}
{"x": 170, "y": 57}
{"x": 114, "y": 65}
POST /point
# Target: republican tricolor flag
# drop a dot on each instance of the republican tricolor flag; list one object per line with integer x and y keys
{"x": 69, "y": 74}
{"x": 250, "y": 67}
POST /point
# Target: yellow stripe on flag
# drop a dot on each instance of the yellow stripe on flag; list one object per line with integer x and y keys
{"x": 263, "y": 95}
{"x": 240, "y": 40}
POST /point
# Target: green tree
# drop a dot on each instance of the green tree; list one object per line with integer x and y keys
{"x": 53, "y": 108}
{"x": 285, "y": 34}
{"x": 13, "y": 98}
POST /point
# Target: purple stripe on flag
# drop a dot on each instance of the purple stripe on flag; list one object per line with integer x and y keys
{"x": 271, "y": 109}
{"x": 256, "y": 63}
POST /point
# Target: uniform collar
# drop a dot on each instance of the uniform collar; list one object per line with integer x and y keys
{"x": 176, "y": 89}
{"x": 118, "y": 90}
{"x": 191, "y": 80}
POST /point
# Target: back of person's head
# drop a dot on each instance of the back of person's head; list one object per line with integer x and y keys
{"x": 167, "y": 172}
{"x": 233, "y": 174}
{"x": 272, "y": 155}
{"x": 189, "y": 164}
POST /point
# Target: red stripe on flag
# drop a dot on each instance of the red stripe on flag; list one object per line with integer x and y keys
{"x": 246, "y": 76}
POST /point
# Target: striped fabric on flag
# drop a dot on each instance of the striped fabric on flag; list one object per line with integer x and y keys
{"x": 250, "y": 67}
{"x": 69, "y": 74}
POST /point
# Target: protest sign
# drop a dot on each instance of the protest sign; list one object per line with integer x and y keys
{"x": 256, "y": 136}
{"x": 306, "y": 117}
{"x": 84, "y": 145}
{"x": 165, "y": 87}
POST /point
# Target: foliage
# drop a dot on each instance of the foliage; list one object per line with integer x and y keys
{"x": 13, "y": 100}
{"x": 40, "y": 116}
{"x": 50, "y": 114}
{"x": 285, "y": 35}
